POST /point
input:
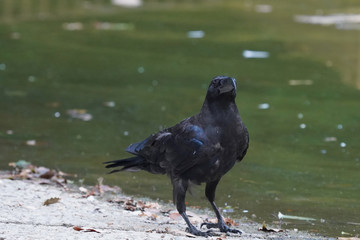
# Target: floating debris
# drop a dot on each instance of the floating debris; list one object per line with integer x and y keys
{"x": 31, "y": 142}
{"x": 294, "y": 82}
{"x": 339, "y": 126}
{"x": 196, "y": 34}
{"x": 109, "y": 104}
{"x": 323, "y": 151}
{"x": 341, "y": 21}
{"x": 114, "y": 26}
{"x": 79, "y": 114}
{"x": 342, "y": 144}
{"x": 31, "y": 79}
{"x": 300, "y": 116}
{"x": 255, "y": 54}
{"x": 9, "y": 132}
{"x": 126, "y": 133}
{"x": 330, "y": 139}
{"x": 283, "y": 216}
{"x": 57, "y": 114}
{"x": 141, "y": 69}
{"x": 2, "y": 66}
{"x": 228, "y": 209}
{"x": 127, "y": 3}
{"x": 73, "y": 26}
{"x": 302, "y": 125}
{"x": 263, "y": 8}
{"x": 264, "y": 106}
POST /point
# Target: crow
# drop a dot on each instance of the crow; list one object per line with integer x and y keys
{"x": 199, "y": 149}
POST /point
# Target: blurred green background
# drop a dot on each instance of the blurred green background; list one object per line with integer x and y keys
{"x": 81, "y": 80}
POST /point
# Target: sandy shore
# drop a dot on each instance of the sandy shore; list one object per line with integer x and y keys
{"x": 72, "y": 214}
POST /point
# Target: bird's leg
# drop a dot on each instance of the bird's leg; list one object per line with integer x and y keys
{"x": 179, "y": 192}
{"x": 210, "y": 194}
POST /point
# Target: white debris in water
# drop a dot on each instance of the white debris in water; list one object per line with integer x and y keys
{"x": 79, "y": 114}
{"x": 339, "y": 126}
{"x": 126, "y": 133}
{"x": 57, "y": 114}
{"x": 330, "y": 139}
{"x": 110, "y": 104}
{"x": 342, "y": 144}
{"x": 9, "y": 132}
{"x": 263, "y": 8}
{"x": 114, "y": 26}
{"x": 302, "y": 125}
{"x": 300, "y": 116}
{"x": 127, "y": 3}
{"x": 245, "y": 211}
{"x": 323, "y": 151}
{"x": 73, "y": 26}
{"x": 31, "y": 142}
{"x": 295, "y": 82}
{"x": 196, "y": 34}
{"x": 255, "y": 54}
{"x": 141, "y": 69}
{"x": 340, "y": 20}
{"x": 31, "y": 79}
{"x": 264, "y": 106}
{"x": 283, "y": 216}
{"x": 2, "y": 66}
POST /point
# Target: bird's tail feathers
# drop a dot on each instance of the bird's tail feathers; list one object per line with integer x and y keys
{"x": 132, "y": 164}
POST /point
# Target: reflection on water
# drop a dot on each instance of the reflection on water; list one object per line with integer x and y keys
{"x": 81, "y": 80}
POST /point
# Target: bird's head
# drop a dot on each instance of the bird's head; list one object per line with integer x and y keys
{"x": 222, "y": 87}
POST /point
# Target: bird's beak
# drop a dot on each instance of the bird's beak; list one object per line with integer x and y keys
{"x": 229, "y": 86}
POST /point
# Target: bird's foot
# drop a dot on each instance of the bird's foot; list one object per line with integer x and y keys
{"x": 223, "y": 227}
{"x": 196, "y": 232}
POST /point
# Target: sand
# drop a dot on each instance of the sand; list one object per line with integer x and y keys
{"x": 76, "y": 214}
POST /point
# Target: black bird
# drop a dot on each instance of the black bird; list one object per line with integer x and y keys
{"x": 199, "y": 149}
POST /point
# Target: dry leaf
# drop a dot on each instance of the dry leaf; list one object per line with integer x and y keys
{"x": 85, "y": 230}
{"x": 91, "y": 230}
{"x": 77, "y": 228}
{"x": 230, "y": 222}
{"x": 265, "y": 229}
{"x": 51, "y": 201}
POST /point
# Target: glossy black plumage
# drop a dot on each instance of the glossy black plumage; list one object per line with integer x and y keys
{"x": 199, "y": 149}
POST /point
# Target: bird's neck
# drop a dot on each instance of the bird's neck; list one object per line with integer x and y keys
{"x": 219, "y": 110}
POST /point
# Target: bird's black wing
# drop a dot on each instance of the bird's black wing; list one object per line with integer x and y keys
{"x": 243, "y": 147}
{"x": 174, "y": 150}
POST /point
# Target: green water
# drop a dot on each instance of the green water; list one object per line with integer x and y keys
{"x": 304, "y": 155}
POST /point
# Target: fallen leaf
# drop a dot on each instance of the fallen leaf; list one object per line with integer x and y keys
{"x": 77, "y": 228}
{"x": 51, "y": 201}
{"x": 230, "y": 222}
{"x": 265, "y": 229}
{"x": 85, "y": 230}
{"x": 91, "y": 230}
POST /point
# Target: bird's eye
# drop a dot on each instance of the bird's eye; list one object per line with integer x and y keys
{"x": 215, "y": 83}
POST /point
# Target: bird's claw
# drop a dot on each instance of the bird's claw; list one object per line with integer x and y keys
{"x": 196, "y": 232}
{"x": 222, "y": 227}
